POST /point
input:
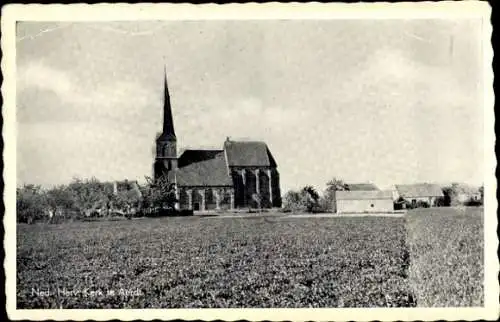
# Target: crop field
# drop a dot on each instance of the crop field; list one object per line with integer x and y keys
{"x": 431, "y": 257}
{"x": 201, "y": 262}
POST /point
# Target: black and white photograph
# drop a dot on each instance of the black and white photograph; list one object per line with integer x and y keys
{"x": 277, "y": 157}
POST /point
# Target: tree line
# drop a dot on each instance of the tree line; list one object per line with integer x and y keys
{"x": 90, "y": 198}
{"x": 309, "y": 200}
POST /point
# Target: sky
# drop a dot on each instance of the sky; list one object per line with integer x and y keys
{"x": 381, "y": 101}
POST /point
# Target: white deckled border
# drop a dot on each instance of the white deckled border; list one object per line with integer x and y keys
{"x": 248, "y": 11}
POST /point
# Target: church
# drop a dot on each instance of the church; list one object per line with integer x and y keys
{"x": 242, "y": 174}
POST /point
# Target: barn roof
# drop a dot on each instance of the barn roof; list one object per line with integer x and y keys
{"x": 362, "y": 195}
{"x": 362, "y": 187}
{"x": 419, "y": 190}
{"x": 248, "y": 153}
{"x": 203, "y": 168}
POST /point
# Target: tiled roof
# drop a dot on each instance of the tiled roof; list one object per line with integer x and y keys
{"x": 203, "y": 168}
{"x": 360, "y": 195}
{"x": 191, "y": 156}
{"x": 419, "y": 190}
{"x": 248, "y": 153}
{"x": 362, "y": 187}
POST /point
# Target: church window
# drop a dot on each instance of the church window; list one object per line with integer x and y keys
{"x": 210, "y": 196}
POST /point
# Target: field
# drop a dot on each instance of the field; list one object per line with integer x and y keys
{"x": 446, "y": 248}
{"x": 242, "y": 262}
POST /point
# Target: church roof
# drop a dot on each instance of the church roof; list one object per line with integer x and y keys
{"x": 190, "y": 156}
{"x": 168, "y": 133}
{"x": 203, "y": 168}
{"x": 248, "y": 153}
{"x": 166, "y": 137}
{"x": 168, "y": 120}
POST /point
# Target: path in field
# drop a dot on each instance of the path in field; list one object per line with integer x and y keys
{"x": 277, "y": 215}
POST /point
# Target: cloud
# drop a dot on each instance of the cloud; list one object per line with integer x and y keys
{"x": 36, "y": 74}
{"x": 48, "y": 154}
{"x": 391, "y": 75}
{"x": 46, "y": 93}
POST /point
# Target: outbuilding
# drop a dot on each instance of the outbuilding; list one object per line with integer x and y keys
{"x": 373, "y": 201}
{"x": 416, "y": 194}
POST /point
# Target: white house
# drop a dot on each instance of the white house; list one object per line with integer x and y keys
{"x": 370, "y": 201}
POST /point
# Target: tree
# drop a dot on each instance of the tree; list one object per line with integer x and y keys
{"x": 60, "y": 200}
{"x": 449, "y": 194}
{"x": 159, "y": 194}
{"x": 332, "y": 187}
{"x": 127, "y": 202}
{"x": 292, "y": 201}
{"x": 90, "y": 194}
{"x": 305, "y": 200}
{"x": 30, "y": 203}
{"x": 456, "y": 194}
{"x": 309, "y": 198}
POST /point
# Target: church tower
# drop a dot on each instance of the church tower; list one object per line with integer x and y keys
{"x": 166, "y": 142}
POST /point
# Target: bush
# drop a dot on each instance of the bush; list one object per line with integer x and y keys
{"x": 442, "y": 202}
{"x": 158, "y": 194}
{"x": 400, "y": 204}
{"x": 307, "y": 200}
{"x": 167, "y": 213}
{"x": 90, "y": 195}
{"x": 292, "y": 202}
{"x": 31, "y": 204}
{"x": 473, "y": 203}
{"x": 422, "y": 204}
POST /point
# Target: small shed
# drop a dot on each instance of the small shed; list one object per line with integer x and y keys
{"x": 370, "y": 201}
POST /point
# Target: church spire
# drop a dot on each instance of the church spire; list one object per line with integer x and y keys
{"x": 168, "y": 122}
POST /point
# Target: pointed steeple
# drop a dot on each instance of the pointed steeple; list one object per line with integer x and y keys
{"x": 168, "y": 121}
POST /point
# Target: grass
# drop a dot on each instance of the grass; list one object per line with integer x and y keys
{"x": 446, "y": 251}
{"x": 203, "y": 262}
{"x": 432, "y": 257}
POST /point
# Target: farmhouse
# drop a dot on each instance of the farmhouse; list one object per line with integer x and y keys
{"x": 241, "y": 174}
{"x": 421, "y": 192}
{"x": 359, "y": 201}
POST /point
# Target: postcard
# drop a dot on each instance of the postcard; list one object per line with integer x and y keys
{"x": 250, "y": 161}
